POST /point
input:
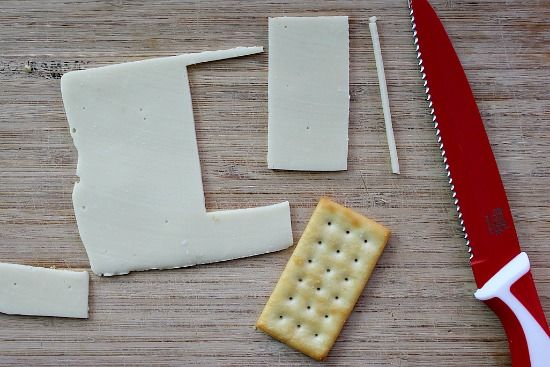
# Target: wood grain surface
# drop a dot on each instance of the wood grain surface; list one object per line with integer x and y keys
{"x": 418, "y": 308}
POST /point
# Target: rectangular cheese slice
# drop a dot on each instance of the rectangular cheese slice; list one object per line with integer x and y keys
{"x": 29, "y": 290}
{"x": 323, "y": 279}
{"x": 308, "y": 90}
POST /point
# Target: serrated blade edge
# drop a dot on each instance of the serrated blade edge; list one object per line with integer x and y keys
{"x": 433, "y": 113}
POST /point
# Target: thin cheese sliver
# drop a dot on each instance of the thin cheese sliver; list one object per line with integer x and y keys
{"x": 384, "y": 95}
{"x": 323, "y": 279}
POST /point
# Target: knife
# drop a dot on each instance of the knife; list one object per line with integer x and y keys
{"x": 501, "y": 271}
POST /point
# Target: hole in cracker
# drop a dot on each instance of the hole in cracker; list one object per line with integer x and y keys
{"x": 309, "y": 307}
{"x": 347, "y": 232}
{"x": 326, "y": 316}
{"x": 329, "y": 223}
{"x": 300, "y": 279}
{"x": 310, "y": 261}
{"x": 318, "y": 289}
{"x": 320, "y": 242}
{"x": 316, "y": 335}
{"x": 338, "y": 251}
{"x": 346, "y": 279}
{"x": 298, "y": 326}
{"x": 281, "y": 317}
{"x": 328, "y": 270}
{"x": 290, "y": 298}
{"x": 365, "y": 241}
{"x": 356, "y": 260}
{"x": 336, "y": 297}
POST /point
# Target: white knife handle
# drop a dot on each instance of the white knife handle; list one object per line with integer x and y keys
{"x": 538, "y": 341}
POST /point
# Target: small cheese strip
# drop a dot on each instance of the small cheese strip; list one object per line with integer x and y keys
{"x": 139, "y": 203}
{"x": 308, "y": 93}
{"x": 384, "y": 94}
{"x": 323, "y": 279}
{"x": 29, "y": 290}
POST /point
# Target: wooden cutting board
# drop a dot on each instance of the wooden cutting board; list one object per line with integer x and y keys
{"x": 418, "y": 308}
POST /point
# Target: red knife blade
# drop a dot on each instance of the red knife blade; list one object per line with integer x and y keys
{"x": 500, "y": 269}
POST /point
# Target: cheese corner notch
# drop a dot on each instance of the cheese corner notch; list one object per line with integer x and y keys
{"x": 308, "y": 93}
{"x": 139, "y": 203}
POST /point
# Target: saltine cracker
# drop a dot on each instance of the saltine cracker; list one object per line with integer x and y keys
{"x": 323, "y": 279}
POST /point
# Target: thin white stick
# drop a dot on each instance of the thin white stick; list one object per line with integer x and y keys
{"x": 384, "y": 94}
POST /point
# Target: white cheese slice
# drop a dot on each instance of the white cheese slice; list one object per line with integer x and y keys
{"x": 308, "y": 90}
{"x": 140, "y": 203}
{"x": 29, "y": 290}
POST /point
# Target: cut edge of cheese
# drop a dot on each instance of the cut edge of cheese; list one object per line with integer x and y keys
{"x": 36, "y": 291}
{"x": 215, "y": 55}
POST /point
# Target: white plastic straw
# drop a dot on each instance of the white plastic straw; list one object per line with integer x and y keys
{"x": 384, "y": 94}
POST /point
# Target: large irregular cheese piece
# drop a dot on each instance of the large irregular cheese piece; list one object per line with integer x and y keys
{"x": 29, "y": 290}
{"x": 308, "y": 90}
{"x": 139, "y": 203}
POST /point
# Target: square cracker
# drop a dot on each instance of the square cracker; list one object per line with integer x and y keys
{"x": 323, "y": 279}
